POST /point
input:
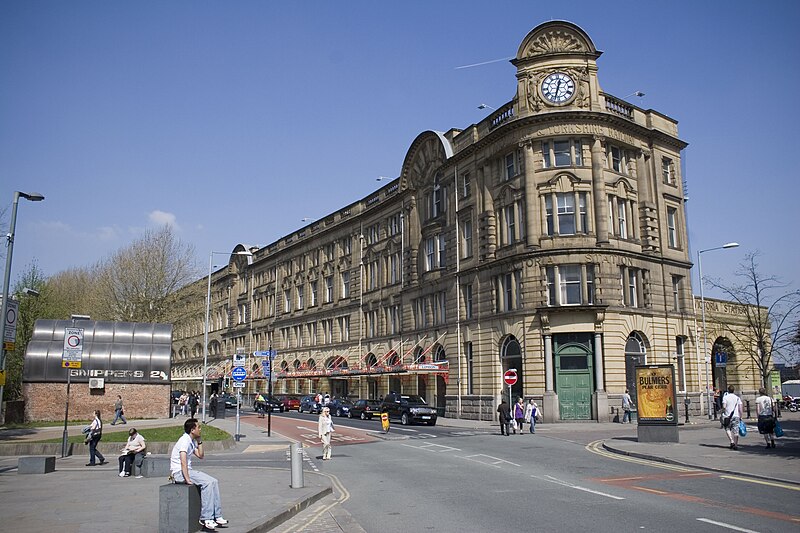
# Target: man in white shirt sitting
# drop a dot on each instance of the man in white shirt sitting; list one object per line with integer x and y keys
{"x": 180, "y": 466}
{"x": 132, "y": 453}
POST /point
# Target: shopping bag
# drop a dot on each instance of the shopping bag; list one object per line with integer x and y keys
{"x": 742, "y": 428}
{"x": 778, "y": 429}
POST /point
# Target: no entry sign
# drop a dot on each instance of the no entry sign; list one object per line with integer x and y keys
{"x": 510, "y": 377}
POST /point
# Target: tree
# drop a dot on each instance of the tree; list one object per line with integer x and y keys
{"x": 770, "y": 320}
{"x": 139, "y": 283}
{"x": 31, "y": 307}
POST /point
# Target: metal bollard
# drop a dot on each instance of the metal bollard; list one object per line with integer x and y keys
{"x": 296, "y": 454}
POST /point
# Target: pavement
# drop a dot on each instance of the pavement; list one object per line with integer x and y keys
{"x": 76, "y": 498}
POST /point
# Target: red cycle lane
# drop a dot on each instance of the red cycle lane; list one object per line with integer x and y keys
{"x": 305, "y": 431}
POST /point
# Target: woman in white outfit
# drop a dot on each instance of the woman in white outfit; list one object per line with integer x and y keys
{"x": 325, "y": 429}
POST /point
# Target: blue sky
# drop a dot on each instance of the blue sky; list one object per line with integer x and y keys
{"x": 235, "y": 120}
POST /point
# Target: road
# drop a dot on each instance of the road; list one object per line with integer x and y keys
{"x": 448, "y": 479}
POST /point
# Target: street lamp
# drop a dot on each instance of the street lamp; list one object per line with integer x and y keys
{"x": 208, "y": 314}
{"x": 486, "y": 106}
{"x": 703, "y": 310}
{"x": 33, "y": 197}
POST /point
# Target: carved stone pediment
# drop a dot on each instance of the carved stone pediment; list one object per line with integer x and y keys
{"x": 429, "y": 151}
{"x": 556, "y": 38}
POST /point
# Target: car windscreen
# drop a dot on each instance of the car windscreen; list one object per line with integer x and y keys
{"x": 412, "y": 398}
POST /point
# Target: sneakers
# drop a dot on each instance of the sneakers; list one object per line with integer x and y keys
{"x": 221, "y": 521}
{"x": 208, "y": 525}
{"x": 122, "y": 474}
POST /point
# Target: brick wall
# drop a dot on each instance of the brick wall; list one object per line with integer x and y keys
{"x": 46, "y": 401}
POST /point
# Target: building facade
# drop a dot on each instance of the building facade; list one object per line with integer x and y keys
{"x": 549, "y": 238}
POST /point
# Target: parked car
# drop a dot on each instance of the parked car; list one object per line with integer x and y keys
{"x": 364, "y": 409}
{"x": 309, "y": 404}
{"x": 340, "y": 406}
{"x": 228, "y": 399}
{"x": 289, "y": 402}
{"x": 409, "y": 408}
{"x": 274, "y": 404}
{"x": 176, "y": 395}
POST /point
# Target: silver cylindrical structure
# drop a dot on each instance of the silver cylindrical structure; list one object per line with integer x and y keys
{"x": 296, "y": 455}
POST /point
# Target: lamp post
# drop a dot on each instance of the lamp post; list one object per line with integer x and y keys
{"x": 208, "y": 315}
{"x": 33, "y": 197}
{"x": 703, "y": 311}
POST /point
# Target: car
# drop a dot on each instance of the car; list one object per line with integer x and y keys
{"x": 274, "y": 403}
{"x": 340, "y": 406}
{"x": 364, "y": 409}
{"x": 176, "y": 395}
{"x": 409, "y": 408}
{"x": 289, "y": 402}
{"x": 229, "y": 400}
{"x": 309, "y": 404}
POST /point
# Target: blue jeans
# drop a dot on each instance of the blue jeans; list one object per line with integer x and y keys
{"x": 93, "y": 452}
{"x": 211, "y": 507}
{"x": 533, "y": 423}
{"x": 119, "y": 416}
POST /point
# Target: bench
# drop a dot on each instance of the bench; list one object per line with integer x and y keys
{"x": 179, "y": 508}
{"x": 41, "y": 464}
{"x": 155, "y": 466}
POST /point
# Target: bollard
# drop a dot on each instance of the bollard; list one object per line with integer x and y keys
{"x": 296, "y": 454}
{"x": 747, "y": 403}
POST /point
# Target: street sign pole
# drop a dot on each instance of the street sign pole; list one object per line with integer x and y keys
{"x": 269, "y": 388}
{"x": 73, "y": 352}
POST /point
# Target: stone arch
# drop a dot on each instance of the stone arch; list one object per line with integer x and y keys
{"x": 722, "y": 346}
{"x": 427, "y": 153}
{"x": 636, "y": 346}
{"x": 511, "y": 357}
{"x": 557, "y": 37}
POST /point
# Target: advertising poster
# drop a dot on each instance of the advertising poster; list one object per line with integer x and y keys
{"x": 655, "y": 394}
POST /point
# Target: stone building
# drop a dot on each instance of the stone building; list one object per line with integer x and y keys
{"x": 549, "y": 238}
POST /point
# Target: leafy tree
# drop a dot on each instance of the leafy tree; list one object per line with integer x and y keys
{"x": 770, "y": 320}
{"x": 139, "y": 283}
{"x": 31, "y": 307}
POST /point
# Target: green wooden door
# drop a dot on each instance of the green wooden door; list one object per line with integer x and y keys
{"x": 574, "y": 381}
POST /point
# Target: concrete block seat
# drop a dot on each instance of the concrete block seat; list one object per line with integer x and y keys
{"x": 155, "y": 466}
{"x": 41, "y": 464}
{"x": 179, "y": 508}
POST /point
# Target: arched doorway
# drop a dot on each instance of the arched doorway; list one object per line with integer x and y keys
{"x": 372, "y": 383}
{"x": 441, "y": 384}
{"x": 511, "y": 357}
{"x": 635, "y": 355}
{"x": 722, "y": 355}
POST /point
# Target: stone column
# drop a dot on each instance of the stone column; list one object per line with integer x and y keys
{"x": 532, "y": 211}
{"x": 550, "y": 408}
{"x": 599, "y": 192}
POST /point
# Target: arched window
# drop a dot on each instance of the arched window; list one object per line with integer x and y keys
{"x": 511, "y": 357}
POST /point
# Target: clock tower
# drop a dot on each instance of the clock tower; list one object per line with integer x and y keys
{"x": 556, "y": 69}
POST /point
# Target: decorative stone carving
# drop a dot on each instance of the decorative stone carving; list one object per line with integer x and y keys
{"x": 554, "y": 42}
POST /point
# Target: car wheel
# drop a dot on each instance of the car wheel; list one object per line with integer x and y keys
{"x": 363, "y": 415}
{"x": 432, "y": 423}
{"x": 404, "y": 419}
{"x": 349, "y": 414}
{"x": 338, "y": 412}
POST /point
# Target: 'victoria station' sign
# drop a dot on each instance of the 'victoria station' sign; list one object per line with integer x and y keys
{"x": 119, "y": 352}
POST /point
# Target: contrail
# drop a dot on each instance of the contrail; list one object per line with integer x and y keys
{"x": 484, "y": 63}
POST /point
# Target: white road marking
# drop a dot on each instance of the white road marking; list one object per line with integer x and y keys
{"x": 430, "y": 448}
{"x": 493, "y": 461}
{"x": 551, "y": 479}
{"x": 406, "y": 429}
{"x": 723, "y": 524}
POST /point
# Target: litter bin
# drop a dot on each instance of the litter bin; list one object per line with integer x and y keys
{"x": 220, "y": 409}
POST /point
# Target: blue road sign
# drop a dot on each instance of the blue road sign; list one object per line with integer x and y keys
{"x": 239, "y": 373}
{"x": 265, "y": 353}
{"x": 721, "y": 359}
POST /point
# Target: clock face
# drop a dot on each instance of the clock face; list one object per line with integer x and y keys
{"x": 558, "y": 87}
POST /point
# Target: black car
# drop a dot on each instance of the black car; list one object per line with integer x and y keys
{"x": 176, "y": 395}
{"x": 409, "y": 408}
{"x": 274, "y": 404}
{"x": 340, "y": 406}
{"x": 309, "y": 404}
{"x": 364, "y": 409}
{"x": 228, "y": 399}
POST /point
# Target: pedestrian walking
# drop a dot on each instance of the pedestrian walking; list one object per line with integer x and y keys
{"x": 519, "y": 415}
{"x": 193, "y": 401}
{"x": 505, "y": 417}
{"x": 213, "y": 404}
{"x": 325, "y": 429}
{"x": 627, "y": 407}
{"x": 765, "y": 408}
{"x": 180, "y": 466}
{"x": 531, "y": 412}
{"x": 731, "y": 416}
{"x": 95, "y": 433}
{"x": 119, "y": 413}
